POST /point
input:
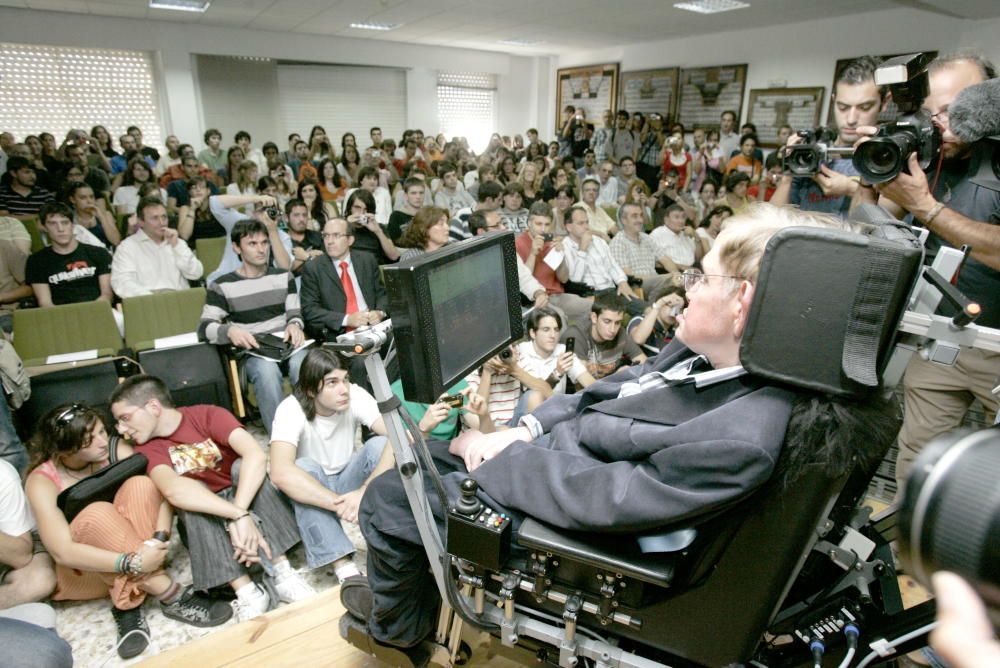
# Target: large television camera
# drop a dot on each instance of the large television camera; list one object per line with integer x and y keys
{"x": 885, "y": 155}
{"x": 815, "y": 149}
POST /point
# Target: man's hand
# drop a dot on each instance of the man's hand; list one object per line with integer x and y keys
{"x": 964, "y": 635}
{"x": 625, "y": 290}
{"x": 294, "y": 335}
{"x": 347, "y": 506}
{"x": 537, "y": 243}
{"x": 375, "y": 317}
{"x": 585, "y": 239}
{"x": 478, "y": 447}
{"x": 565, "y": 363}
{"x": 300, "y": 254}
{"x": 834, "y": 183}
{"x": 910, "y": 191}
{"x": 170, "y": 236}
{"x": 357, "y": 319}
{"x": 266, "y": 201}
{"x": 241, "y": 338}
{"x": 541, "y": 298}
{"x": 247, "y": 540}
{"x": 435, "y": 415}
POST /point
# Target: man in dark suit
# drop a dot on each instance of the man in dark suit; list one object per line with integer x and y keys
{"x": 687, "y": 433}
{"x": 341, "y": 291}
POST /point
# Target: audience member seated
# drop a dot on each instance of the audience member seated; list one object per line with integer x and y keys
{"x": 194, "y": 219}
{"x": 655, "y": 329}
{"x": 428, "y": 231}
{"x": 95, "y": 177}
{"x": 130, "y": 150}
{"x": 22, "y": 198}
{"x": 488, "y": 199}
{"x": 136, "y": 133}
{"x": 315, "y": 463}
{"x": 332, "y": 185}
{"x": 513, "y": 213}
{"x": 67, "y": 272}
{"x": 711, "y": 225}
{"x": 602, "y": 343}
{"x": 319, "y": 210}
{"x": 306, "y": 243}
{"x": 598, "y": 219}
{"x": 531, "y": 184}
{"x": 212, "y": 156}
{"x": 637, "y": 253}
{"x": 215, "y": 474}
{"x": 109, "y": 549}
{"x": 589, "y": 168}
{"x": 543, "y": 357}
{"x": 499, "y": 390}
{"x": 242, "y": 139}
{"x": 177, "y": 189}
{"x": 127, "y": 195}
{"x": 452, "y": 196}
{"x": 369, "y": 179}
{"x": 171, "y": 158}
{"x": 341, "y": 289}
{"x": 226, "y": 210}
{"x": 768, "y": 184}
{"x": 678, "y": 247}
{"x": 737, "y": 184}
{"x": 626, "y": 179}
{"x": 234, "y": 157}
{"x": 155, "y": 258}
{"x": 26, "y": 570}
{"x": 590, "y": 263}
{"x": 413, "y": 190}
{"x": 90, "y": 213}
{"x": 15, "y": 246}
{"x": 245, "y": 182}
{"x": 440, "y": 420}
{"x": 608, "y": 194}
{"x": 370, "y": 236}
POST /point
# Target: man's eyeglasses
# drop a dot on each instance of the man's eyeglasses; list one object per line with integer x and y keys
{"x": 695, "y": 279}
{"x": 124, "y": 419}
{"x": 941, "y": 117}
{"x": 70, "y": 413}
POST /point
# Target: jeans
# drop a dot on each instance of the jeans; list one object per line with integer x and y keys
{"x": 321, "y": 531}
{"x": 11, "y": 448}
{"x": 29, "y": 646}
{"x": 267, "y": 381}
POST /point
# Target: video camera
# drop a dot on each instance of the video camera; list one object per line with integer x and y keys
{"x": 885, "y": 155}
{"x": 805, "y": 158}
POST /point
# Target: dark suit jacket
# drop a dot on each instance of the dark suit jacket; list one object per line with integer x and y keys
{"x": 322, "y": 294}
{"x": 643, "y": 461}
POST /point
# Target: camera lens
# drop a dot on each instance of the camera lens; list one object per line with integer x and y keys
{"x": 950, "y": 516}
{"x": 801, "y": 161}
{"x": 881, "y": 159}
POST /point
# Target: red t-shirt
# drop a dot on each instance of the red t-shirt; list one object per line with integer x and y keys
{"x": 199, "y": 448}
{"x": 543, "y": 273}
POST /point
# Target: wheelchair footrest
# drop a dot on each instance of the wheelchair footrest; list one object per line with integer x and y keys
{"x": 356, "y": 633}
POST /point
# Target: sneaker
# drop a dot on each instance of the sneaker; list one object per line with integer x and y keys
{"x": 252, "y": 605}
{"x": 356, "y": 596}
{"x": 291, "y": 587}
{"x": 133, "y": 632}
{"x": 196, "y": 610}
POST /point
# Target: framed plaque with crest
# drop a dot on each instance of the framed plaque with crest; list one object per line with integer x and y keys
{"x": 770, "y": 108}
{"x": 705, "y": 92}
{"x": 649, "y": 91}
{"x": 592, "y": 88}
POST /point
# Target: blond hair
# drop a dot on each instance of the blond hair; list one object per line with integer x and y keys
{"x": 741, "y": 243}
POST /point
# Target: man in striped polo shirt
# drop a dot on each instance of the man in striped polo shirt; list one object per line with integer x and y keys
{"x": 22, "y": 198}
{"x": 254, "y": 300}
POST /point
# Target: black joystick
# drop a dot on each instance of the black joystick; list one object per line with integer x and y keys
{"x": 468, "y": 504}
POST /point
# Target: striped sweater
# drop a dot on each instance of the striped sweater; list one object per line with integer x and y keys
{"x": 260, "y": 305}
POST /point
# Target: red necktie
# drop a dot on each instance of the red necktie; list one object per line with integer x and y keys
{"x": 352, "y": 299}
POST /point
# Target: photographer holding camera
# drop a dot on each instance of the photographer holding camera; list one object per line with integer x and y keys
{"x": 957, "y": 212}
{"x": 857, "y": 102}
{"x": 227, "y": 209}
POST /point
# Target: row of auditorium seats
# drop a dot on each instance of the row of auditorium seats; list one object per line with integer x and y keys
{"x": 74, "y": 352}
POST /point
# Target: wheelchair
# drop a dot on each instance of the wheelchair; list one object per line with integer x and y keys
{"x": 789, "y": 576}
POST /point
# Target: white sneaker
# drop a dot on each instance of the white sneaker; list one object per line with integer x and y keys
{"x": 291, "y": 587}
{"x": 253, "y": 604}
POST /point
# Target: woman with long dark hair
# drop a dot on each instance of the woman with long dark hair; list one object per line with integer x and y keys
{"x": 108, "y": 549}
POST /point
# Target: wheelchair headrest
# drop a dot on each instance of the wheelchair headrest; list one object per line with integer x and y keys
{"x": 827, "y": 305}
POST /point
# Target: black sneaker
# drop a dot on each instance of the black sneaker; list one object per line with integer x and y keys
{"x": 133, "y": 632}
{"x": 196, "y": 610}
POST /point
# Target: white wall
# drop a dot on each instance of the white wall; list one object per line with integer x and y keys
{"x": 802, "y": 54}
{"x": 175, "y": 45}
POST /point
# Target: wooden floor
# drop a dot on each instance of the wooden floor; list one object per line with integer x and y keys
{"x": 301, "y": 635}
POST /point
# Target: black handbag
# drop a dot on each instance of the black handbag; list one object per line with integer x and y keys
{"x": 103, "y": 485}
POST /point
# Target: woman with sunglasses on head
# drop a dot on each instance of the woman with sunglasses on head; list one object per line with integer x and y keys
{"x": 109, "y": 549}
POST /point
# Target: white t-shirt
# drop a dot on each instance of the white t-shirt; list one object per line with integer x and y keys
{"x": 542, "y": 367}
{"x": 329, "y": 441}
{"x": 15, "y": 513}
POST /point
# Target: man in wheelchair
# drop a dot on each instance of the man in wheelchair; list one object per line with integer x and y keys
{"x": 688, "y": 439}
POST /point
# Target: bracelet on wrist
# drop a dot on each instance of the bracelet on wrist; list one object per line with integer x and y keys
{"x": 135, "y": 564}
{"x": 233, "y": 521}
{"x": 120, "y": 563}
{"x": 933, "y": 213}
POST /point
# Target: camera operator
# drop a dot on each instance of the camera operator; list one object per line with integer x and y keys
{"x": 857, "y": 102}
{"x": 227, "y": 209}
{"x": 956, "y": 212}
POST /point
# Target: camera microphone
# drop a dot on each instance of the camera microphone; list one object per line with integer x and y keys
{"x": 975, "y": 113}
